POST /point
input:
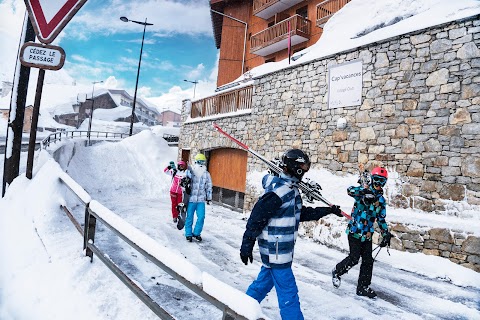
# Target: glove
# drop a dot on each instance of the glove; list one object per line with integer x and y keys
{"x": 336, "y": 210}
{"x": 209, "y": 202}
{"x": 368, "y": 196}
{"x": 169, "y": 167}
{"x": 386, "y": 240}
{"x": 247, "y": 257}
{"x": 246, "y": 249}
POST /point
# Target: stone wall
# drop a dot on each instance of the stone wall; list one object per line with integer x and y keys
{"x": 456, "y": 245}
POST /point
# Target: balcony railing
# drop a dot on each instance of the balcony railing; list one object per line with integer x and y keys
{"x": 240, "y": 99}
{"x": 266, "y": 9}
{"x": 327, "y": 8}
{"x": 275, "y": 38}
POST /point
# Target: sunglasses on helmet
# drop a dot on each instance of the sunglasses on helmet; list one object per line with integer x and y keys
{"x": 200, "y": 162}
{"x": 379, "y": 180}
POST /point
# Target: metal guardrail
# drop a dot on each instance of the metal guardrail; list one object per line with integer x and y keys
{"x": 88, "y": 232}
{"x": 104, "y": 135}
{"x": 59, "y": 135}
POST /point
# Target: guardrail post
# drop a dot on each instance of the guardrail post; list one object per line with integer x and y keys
{"x": 227, "y": 316}
{"x": 89, "y": 232}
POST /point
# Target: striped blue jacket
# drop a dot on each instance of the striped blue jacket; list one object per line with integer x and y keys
{"x": 275, "y": 219}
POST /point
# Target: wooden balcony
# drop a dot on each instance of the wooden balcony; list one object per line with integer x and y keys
{"x": 327, "y": 8}
{"x": 232, "y": 101}
{"x": 266, "y": 9}
{"x": 275, "y": 38}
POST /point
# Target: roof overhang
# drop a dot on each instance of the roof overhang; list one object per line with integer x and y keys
{"x": 217, "y": 20}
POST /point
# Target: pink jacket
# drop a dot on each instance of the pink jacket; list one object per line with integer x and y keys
{"x": 177, "y": 176}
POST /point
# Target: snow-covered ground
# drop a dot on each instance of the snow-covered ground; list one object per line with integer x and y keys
{"x": 44, "y": 274}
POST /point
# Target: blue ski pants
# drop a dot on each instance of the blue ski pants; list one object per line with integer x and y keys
{"x": 199, "y": 208}
{"x": 286, "y": 287}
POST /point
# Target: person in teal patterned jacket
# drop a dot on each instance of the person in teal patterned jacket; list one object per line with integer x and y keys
{"x": 369, "y": 207}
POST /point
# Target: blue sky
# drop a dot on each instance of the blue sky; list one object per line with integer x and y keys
{"x": 99, "y": 46}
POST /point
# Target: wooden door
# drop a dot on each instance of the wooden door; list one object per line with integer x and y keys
{"x": 228, "y": 169}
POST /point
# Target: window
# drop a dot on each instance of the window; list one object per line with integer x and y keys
{"x": 303, "y": 11}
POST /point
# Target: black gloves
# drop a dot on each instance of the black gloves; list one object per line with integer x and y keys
{"x": 368, "y": 196}
{"x": 336, "y": 210}
{"x": 246, "y": 249}
{"x": 247, "y": 257}
{"x": 169, "y": 167}
{"x": 209, "y": 202}
{"x": 386, "y": 239}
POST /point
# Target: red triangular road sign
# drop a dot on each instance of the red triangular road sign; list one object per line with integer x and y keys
{"x": 49, "y": 17}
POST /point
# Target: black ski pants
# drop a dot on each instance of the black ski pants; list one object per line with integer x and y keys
{"x": 358, "y": 249}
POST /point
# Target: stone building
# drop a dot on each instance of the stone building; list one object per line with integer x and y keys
{"x": 419, "y": 117}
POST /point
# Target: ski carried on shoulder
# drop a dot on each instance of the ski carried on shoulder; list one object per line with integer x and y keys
{"x": 311, "y": 189}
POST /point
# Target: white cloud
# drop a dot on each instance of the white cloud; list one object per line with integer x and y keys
{"x": 197, "y": 72}
{"x": 144, "y": 91}
{"x": 190, "y": 18}
{"x": 78, "y": 58}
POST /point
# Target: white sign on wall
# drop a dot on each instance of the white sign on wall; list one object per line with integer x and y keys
{"x": 345, "y": 84}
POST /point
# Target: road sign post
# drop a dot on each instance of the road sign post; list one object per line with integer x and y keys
{"x": 48, "y": 19}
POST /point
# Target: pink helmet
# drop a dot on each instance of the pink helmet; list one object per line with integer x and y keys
{"x": 182, "y": 163}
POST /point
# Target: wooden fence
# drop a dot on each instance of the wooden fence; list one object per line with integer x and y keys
{"x": 232, "y": 101}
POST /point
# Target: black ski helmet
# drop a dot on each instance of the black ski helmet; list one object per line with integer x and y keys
{"x": 296, "y": 162}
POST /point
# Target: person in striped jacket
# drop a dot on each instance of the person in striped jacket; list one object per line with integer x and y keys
{"x": 273, "y": 223}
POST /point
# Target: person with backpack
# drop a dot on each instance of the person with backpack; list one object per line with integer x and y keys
{"x": 200, "y": 191}
{"x": 273, "y": 223}
{"x": 177, "y": 174}
{"x": 369, "y": 206}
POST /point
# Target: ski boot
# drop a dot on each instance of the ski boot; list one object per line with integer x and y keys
{"x": 366, "y": 292}
{"x": 336, "y": 281}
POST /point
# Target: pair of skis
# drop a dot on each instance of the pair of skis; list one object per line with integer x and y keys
{"x": 310, "y": 188}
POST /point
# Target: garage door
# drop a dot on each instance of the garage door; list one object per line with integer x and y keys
{"x": 228, "y": 168}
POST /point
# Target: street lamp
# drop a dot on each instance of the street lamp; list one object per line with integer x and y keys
{"x": 145, "y": 24}
{"x": 194, "y": 86}
{"x": 91, "y": 113}
{"x": 244, "y": 37}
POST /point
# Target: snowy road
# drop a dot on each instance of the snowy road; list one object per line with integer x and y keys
{"x": 401, "y": 294}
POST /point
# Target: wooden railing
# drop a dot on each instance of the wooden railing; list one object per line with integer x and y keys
{"x": 240, "y": 99}
{"x": 327, "y": 8}
{"x": 259, "y": 5}
{"x": 298, "y": 25}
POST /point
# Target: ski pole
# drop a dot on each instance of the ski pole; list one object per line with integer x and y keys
{"x": 310, "y": 190}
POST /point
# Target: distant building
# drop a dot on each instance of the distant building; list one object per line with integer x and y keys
{"x": 145, "y": 113}
{"x": 27, "y": 120}
{"x": 169, "y": 119}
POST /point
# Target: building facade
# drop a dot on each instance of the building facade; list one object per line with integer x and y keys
{"x": 251, "y": 33}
